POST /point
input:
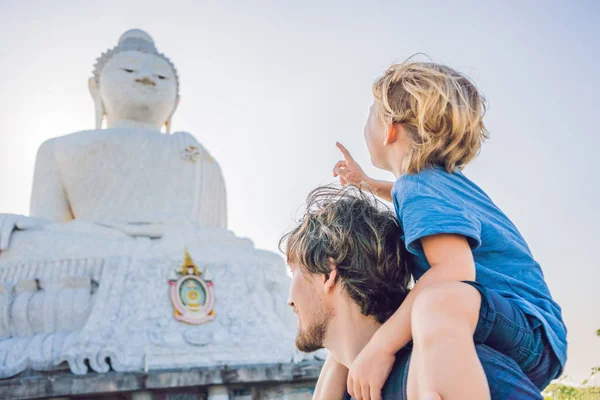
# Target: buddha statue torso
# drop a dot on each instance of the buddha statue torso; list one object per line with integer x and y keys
{"x": 85, "y": 279}
{"x": 128, "y": 175}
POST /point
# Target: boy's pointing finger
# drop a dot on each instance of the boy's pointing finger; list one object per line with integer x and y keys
{"x": 344, "y": 151}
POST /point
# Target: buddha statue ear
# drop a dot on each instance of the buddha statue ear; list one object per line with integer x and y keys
{"x": 95, "y": 92}
{"x": 168, "y": 121}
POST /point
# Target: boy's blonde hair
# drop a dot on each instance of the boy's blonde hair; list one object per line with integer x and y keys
{"x": 441, "y": 110}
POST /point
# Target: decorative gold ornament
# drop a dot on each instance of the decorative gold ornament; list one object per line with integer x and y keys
{"x": 191, "y": 153}
{"x": 192, "y": 297}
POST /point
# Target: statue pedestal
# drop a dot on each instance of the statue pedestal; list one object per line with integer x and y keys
{"x": 128, "y": 323}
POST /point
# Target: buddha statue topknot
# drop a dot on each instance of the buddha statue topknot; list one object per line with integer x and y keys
{"x": 92, "y": 277}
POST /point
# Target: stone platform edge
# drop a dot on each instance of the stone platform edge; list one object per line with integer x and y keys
{"x": 36, "y": 385}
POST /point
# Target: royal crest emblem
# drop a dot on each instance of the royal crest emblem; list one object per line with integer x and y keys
{"x": 192, "y": 297}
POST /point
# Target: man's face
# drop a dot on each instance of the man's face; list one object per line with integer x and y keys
{"x": 306, "y": 298}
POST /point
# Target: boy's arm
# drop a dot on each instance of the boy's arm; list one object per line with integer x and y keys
{"x": 382, "y": 189}
{"x": 331, "y": 384}
{"x": 451, "y": 259}
{"x": 48, "y": 197}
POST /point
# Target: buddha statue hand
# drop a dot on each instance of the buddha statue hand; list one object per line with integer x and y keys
{"x": 153, "y": 231}
{"x": 10, "y": 222}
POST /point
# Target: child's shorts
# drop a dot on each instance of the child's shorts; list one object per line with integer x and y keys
{"x": 506, "y": 328}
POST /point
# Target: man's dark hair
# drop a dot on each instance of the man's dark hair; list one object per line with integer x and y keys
{"x": 357, "y": 233}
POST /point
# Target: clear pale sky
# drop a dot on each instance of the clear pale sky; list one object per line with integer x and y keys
{"x": 268, "y": 87}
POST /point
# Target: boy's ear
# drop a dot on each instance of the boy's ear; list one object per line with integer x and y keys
{"x": 392, "y": 132}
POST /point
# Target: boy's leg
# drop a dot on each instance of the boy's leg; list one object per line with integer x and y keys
{"x": 444, "y": 318}
{"x": 412, "y": 384}
{"x": 506, "y": 328}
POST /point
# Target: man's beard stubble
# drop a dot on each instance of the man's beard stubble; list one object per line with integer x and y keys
{"x": 312, "y": 338}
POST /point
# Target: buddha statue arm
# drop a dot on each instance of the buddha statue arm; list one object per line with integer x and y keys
{"x": 212, "y": 205}
{"x": 48, "y": 196}
{"x": 221, "y": 215}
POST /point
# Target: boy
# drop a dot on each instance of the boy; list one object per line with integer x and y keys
{"x": 477, "y": 281}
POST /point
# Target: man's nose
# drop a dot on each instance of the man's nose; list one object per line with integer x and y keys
{"x": 290, "y": 303}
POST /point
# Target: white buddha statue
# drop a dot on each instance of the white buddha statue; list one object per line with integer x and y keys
{"x": 126, "y": 173}
{"x": 85, "y": 278}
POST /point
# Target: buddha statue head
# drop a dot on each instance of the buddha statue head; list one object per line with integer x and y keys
{"x": 135, "y": 83}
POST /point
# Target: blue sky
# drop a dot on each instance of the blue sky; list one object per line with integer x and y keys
{"x": 268, "y": 88}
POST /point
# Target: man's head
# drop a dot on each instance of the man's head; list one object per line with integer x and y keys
{"x": 347, "y": 246}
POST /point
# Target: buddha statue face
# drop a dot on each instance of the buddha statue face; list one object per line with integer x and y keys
{"x": 134, "y": 83}
{"x": 139, "y": 87}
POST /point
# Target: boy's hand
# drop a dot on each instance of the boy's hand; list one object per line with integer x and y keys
{"x": 369, "y": 371}
{"x": 348, "y": 170}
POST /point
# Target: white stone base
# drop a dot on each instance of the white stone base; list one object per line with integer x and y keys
{"x": 127, "y": 323}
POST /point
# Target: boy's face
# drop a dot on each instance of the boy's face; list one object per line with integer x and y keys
{"x": 306, "y": 298}
{"x": 375, "y": 137}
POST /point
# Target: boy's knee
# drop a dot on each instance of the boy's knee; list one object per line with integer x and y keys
{"x": 446, "y": 306}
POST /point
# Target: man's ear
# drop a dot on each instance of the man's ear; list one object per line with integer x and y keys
{"x": 330, "y": 278}
{"x": 391, "y": 133}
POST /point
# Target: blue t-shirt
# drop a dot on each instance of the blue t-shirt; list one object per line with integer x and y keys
{"x": 436, "y": 202}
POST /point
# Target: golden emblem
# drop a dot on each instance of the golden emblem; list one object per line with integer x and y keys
{"x": 192, "y": 296}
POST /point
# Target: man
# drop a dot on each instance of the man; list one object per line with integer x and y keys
{"x": 349, "y": 274}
